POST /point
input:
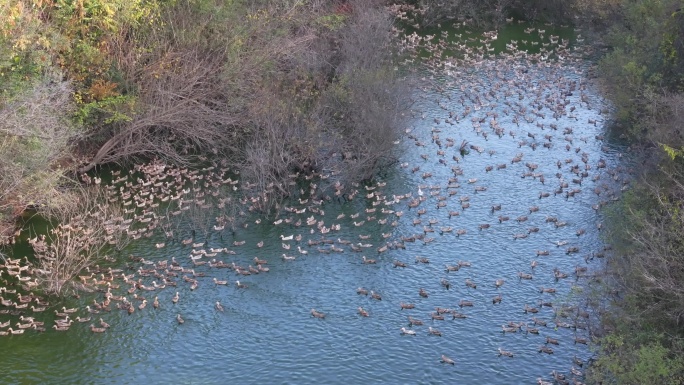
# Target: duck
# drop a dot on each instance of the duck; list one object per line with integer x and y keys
{"x": 218, "y": 306}
{"x": 217, "y": 282}
{"x": 240, "y": 285}
{"x": 464, "y": 303}
{"x": 60, "y": 328}
{"x": 180, "y": 319}
{"x": 423, "y": 293}
{"x": 369, "y": 261}
{"x": 407, "y": 332}
{"x": 361, "y": 291}
{"x": 362, "y": 312}
{"x": 446, "y": 360}
{"x": 422, "y": 260}
{"x": 24, "y": 326}
{"x": 142, "y": 305}
{"x": 497, "y": 299}
{"x": 25, "y": 299}
{"x": 413, "y": 321}
{"x": 64, "y": 322}
{"x": 505, "y": 353}
{"x": 455, "y": 314}
{"x": 375, "y": 296}
{"x": 580, "y": 340}
{"x": 545, "y": 349}
{"x": 317, "y": 314}
{"x": 436, "y": 316}
{"x": 445, "y": 283}
{"x": 522, "y": 275}
{"x": 499, "y": 282}
{"x": 406, "y": 305}
{"x": 37, "y": 328}
{"x": 104, "y": 324}
{"x": 538, "y": 321}
{"x": 155, "y": 304}
{"x": 558, "y": 274}
{"x": 83, "y": 320}
{"x": 551, "y": 341}
{"x": 434, "y": 332}
{"x": 13, "y": 332}
{"x": 175, "y": 298}
{"x": 263, "y": 269}
{"x": 97, "y": 330}
{"x": 470, "y": 283}
{"x": 398, "y": 264}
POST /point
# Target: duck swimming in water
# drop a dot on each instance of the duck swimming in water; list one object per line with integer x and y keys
{"x": 446, "y": 360}
{"x": 317, "y": 314}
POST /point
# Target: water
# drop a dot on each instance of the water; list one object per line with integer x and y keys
{"x": 267, "y": 334}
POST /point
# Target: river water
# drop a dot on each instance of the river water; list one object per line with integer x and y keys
{"x": 266, "y": 333}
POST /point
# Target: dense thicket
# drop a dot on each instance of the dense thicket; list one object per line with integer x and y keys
{"x": 643, "y": 75}
{"x": 270, "y": 88}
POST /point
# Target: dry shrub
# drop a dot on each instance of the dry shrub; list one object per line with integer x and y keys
{"x": 77, "y": 242}
{"x": 334, "y": 107}
{"x": 668, "y": 119}
{"x": 35, "y": 133}
{"x": 648, "y": 266}
{"x": 197, "y": 79}
{"x": 365, "y": 104}
{"x": 183, "y": 106}
{"x": 289, "y": 88}
{"x": 485, "y": 13}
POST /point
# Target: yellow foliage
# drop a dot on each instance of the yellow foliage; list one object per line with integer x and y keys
{"x": 671, "y": 152}
{"x": 102, "y": 89}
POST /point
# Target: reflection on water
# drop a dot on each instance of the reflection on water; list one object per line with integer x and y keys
{"x": 526, "y": 190}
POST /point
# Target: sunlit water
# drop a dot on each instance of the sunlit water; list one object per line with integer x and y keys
{"x": 267, "y": 334}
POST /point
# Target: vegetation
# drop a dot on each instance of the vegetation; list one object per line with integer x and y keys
{"x": 643, "y": 74}
{"x": 270, "y": 87}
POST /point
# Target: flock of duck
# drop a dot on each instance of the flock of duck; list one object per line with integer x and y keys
{"x": 511, "y": 95}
